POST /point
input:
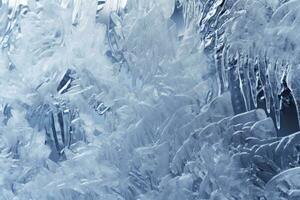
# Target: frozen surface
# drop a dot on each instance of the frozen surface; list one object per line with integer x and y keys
{"x": 144, "y": 100}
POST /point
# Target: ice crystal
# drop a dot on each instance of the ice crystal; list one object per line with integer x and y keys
{"x": 156, "y": 99}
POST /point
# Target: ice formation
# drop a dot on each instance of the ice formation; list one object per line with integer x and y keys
{"x": 149, "y": 99}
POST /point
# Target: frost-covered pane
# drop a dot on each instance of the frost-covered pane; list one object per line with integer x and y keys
{"x": 158, "y": 99}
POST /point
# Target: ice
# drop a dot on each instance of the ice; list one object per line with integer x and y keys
{"x": 285, "y": 183}
{"x": 293, "y": 81}
{"x": 134, "y": 99}
{"x": 265, "y": 126}
{"x": 245, "y": 82}
{"x": 238, "y": 101}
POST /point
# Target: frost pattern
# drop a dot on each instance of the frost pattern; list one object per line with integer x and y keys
{"x": 158, "y": 99}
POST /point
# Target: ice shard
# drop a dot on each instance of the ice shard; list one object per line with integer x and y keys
{"x": 144, "y": 100}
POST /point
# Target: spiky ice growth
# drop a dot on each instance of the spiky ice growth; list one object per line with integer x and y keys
{"x": 149, "y": 99}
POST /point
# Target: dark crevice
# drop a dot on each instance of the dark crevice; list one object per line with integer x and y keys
{"x": 288, "y": 112}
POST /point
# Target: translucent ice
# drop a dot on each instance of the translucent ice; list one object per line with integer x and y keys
{"x": 158, "y": 99}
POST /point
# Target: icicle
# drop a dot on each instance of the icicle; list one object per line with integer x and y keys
{"x": 245, "y": 82}
{"x": 234, "y": 85}
{"x": 254, "y": 84}
{"x": 219, "y": 64}
{"x": 274, "y": 87}
{"x": 267, "y": 90}
{"x": 252, "y": 78}
{"x": 241, "y": 76}
{"x": 260, "y": 68}
{"x": 225, "y": 65}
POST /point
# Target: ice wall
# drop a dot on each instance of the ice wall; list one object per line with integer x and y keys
{"x": 139, "y": 99}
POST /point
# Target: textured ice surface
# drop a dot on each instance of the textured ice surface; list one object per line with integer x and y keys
{"x": 156, "y": 99}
